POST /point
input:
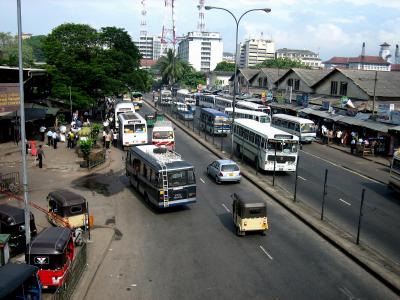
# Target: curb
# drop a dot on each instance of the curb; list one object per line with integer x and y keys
{"x": 380, "y": 267}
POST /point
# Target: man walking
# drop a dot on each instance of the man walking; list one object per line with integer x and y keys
{"x": 49, "y": 137}
{"x": 40, "y": 156}
{"x": 55, "y": 139}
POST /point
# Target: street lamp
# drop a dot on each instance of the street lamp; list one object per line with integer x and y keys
{"x": 237, "y": 21}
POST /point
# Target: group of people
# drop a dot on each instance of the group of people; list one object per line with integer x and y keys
{"x": 53, "y": 137}
{"x": 110, "y": 136}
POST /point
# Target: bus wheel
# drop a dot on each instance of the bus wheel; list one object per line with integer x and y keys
{"x": 146, "y": 199}
{"x": 239, "y": 232}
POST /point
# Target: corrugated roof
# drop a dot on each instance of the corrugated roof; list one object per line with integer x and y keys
{"x": 337, "y": 60}
{"x": 365, "y": 59}
{"x": 249, "y": 73}
{"x": 273, "y": 73}
{"x": 309, "y": 76}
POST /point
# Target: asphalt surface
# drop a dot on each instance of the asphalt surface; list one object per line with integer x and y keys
{"x": 193, "y": 253}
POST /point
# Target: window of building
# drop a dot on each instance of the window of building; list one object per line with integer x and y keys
{"x": 343, "y": 88}
{"x": 259, "y": 81}
{"x": 290, "y": 82}
{"x": 334, "y": 86}
{"x": 297, "y": 84}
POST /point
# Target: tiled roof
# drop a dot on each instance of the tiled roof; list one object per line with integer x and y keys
{"x": 147, "y": 62}
{"x": 395, "y": 67}
{"x": 337, "y": 60}
{"x": 368, "y": 60}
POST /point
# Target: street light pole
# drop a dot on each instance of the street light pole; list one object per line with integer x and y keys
{"x": 237, "y": 21}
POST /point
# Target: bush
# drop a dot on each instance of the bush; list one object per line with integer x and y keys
{"x": 86, "y": 147}
{"x": 96, "y": 128}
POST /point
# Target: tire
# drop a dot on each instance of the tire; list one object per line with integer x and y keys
{"x": 239, "y": 232}
{"x": 217, "y": 181}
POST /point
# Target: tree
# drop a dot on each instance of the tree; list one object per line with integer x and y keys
{"x": 281, "y": 63}
{"x": 9, "y": 51}
{"x": 35, "y": 42}
{"x": 171, "y": 67}
{"x": 192, "y": 79}
{"x": 225, "y": 66}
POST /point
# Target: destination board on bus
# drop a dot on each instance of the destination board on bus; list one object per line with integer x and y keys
{"x": 283, "y": 136}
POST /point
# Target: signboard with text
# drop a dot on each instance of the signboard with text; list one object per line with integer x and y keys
{"x": 9, "y": 97}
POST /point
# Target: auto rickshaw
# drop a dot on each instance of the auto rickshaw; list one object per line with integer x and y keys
{"x": 150, "y": 119}
{"x": 19, "y": 281}
{"x": 249, "y": 213}
{"x": 12, "y": 221}
{"x": 67, "y": 209}
{"x": 160, "y": 116}
{"x": 52, "y": 251}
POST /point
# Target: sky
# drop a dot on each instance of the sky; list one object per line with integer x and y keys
{"x": 328, "y": 27}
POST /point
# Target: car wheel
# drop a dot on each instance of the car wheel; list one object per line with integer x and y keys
{"x": 216, "y": 179}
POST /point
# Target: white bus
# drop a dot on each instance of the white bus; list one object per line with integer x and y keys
{"x": 394, "y": 178}
{"x": 186, "y": 97}
{"x": 163, "y": 135}
{"x": 166, "y": 97}
{"x": 207, "y": 100}
{"x": 303, "y": 128}
{"x": 122, "y": 107}
{"x": 248, "y": 114}
{"x": 259, "y": 141}
{"x": 132, "y": 129}
{"x": 222, "y": 103}
{"x": 253, "y": 106}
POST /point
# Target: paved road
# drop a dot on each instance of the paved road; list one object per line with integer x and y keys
{"x": 381, "y": 213}
{"x": 193, "y": 252}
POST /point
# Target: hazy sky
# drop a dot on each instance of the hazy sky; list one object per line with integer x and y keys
{"x": 330, "y": 27}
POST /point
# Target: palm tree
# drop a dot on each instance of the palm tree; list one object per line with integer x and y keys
{"x": 171, "y": 67}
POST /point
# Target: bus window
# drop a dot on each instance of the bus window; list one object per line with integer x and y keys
{"x": 129, "y": 129}
{"x": 307, "y": 128}
{"x": 139, "y": 128}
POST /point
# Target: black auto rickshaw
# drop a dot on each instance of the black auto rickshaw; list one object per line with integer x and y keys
{"x": 19, "y": 281}
{"x": 67, "y": 209}
{"x": 52, "y": 251}
{"x": 12, "y": 221}
{"x": 249, "y": 213}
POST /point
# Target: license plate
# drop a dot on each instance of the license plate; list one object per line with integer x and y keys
{"x": 280, "y": 169}
{"x": 231, "y": 174}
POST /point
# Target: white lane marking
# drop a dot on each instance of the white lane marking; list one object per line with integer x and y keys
{"x": 347, "y": 292}
{"x": 265, "y": 251}
{"x": 341, "y": 167}
{"x": 302, "y": 178}
{"x": 345, "y": 202}
{"x": 201, "y": 179}
{"x": 227, "y": 209}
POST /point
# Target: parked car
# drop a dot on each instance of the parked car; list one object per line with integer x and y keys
{"x": 223, "y": 170}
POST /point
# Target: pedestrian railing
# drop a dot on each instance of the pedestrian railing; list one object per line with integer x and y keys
{"x": 73, "y": 275}
{"x": 97, "y": 158}
{"x": 10, "y": 182}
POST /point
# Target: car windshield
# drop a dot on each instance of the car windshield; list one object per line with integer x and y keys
{"x": 163, "y": 134}
{"x": 229, "y": 168}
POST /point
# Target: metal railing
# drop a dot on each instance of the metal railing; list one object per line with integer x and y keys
{"x": 10, "y": 182}
{"x": 97, "y": 159}
{"x": 72, "y": 276}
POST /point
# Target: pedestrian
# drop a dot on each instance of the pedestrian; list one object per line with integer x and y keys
{"x": 50, "y": 137}
{"x": 55, "y": 139}
{"x": 42, "y": 131}
{"x": 104, "y": 137}
{"x": 352, "y": 145}
{"x": 40, "y": 156}
{"x": 115, "y": 138}
{"x": 338, "y": 137}
{"x": 108, "y": 139}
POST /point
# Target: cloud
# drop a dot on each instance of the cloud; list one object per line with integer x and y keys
{"x": 349, "y": 20}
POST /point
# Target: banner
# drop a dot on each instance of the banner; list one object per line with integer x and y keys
{"x": 9, "y": 97}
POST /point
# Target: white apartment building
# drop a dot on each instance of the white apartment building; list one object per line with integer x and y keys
{"x": 149, "y": 46}
{"x": 307, "y": 57}
{"x": 255, "y": 51}
{"x": 203, "y": 50}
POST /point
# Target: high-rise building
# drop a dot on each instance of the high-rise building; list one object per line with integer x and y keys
{"x": 255, "y": 51}
{"x": 203, "y": 50}
{"x": 149, "y": 47}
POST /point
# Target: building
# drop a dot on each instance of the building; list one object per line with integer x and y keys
{"x": 219, "y": 79}
{"x": 149, "y": 46}
{"x": 255, "y": 51}
{"x": 306, "y": 57}
{"x": 265, "y": 79}
{"x": 300, "y": 80}
{"x": 228, "y": 57}
{"x": 203, "y": 50}
{"x": 336, "y": 62}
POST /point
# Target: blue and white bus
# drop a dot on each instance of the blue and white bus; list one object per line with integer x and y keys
{"x": 305, "y": 129}
{"x": 248, "y": 114}
{"x": 214, "y": 121}
{"x": 221, "y": 103}
{"x": 207, "y": 100}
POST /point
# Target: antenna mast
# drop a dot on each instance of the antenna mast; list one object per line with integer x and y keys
{"x": 200, "y": 23}
{"x": 143, "y": 22}
{"x": 168, "y": 37}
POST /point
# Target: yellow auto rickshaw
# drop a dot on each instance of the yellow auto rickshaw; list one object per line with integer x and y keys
{"x": 67, "y": 209}
{"x": 249, "y": 213}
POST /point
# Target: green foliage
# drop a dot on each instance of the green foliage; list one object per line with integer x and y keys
{"x": 85, "y": 131}
{"x": 61, "y": 119}
{"x": 225, "y": 66}
{"x": 9, "y": 51}
{"x": 96, "y": 128}
{"x": 171, "y": 68}
{"x": 192, "y": 78}
{"x": 35, "y": 42}
{"x": 86, "y": 147}
{"x": 94, "y": 63}
{"x": 281, "y": 63}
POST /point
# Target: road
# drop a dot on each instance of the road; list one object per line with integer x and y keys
{"x": 193, "y": 252}
{"x": 381, "y": 212}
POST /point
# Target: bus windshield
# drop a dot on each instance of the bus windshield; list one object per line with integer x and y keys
{"x": 180, "y": 178}
{"x": 307, "y": 128}
{"x": 140, "y": 128}
{"x": 163, "y": 134}
{"x": 264, "y": 119}
{"x": 219, "y": 120}
{"x": 129, "y": 129}
{"x": 285, "y": 147}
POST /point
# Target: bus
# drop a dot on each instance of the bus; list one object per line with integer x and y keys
{"x": 132, "y": 129}
{"x": 248, "y": 114}
{"x": 122, "y": 107}
{"x": 207, "y": 100}
{"x": 221, "y": 103}
{"x": 214, "y": 121}
{"x": 259, "y": 141}
{"x": 185, "y": 97}
{"x": 161, "y": 176}
{"x": 184, "y": 111}
{"x": 394, "y": 177}
{"x": 138, "y": 98}
{"x": 163, "y": 134}
{"x": 253, "y": 106}
{"x": 303, "y": 128}
{"x": 166, "y": 97}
